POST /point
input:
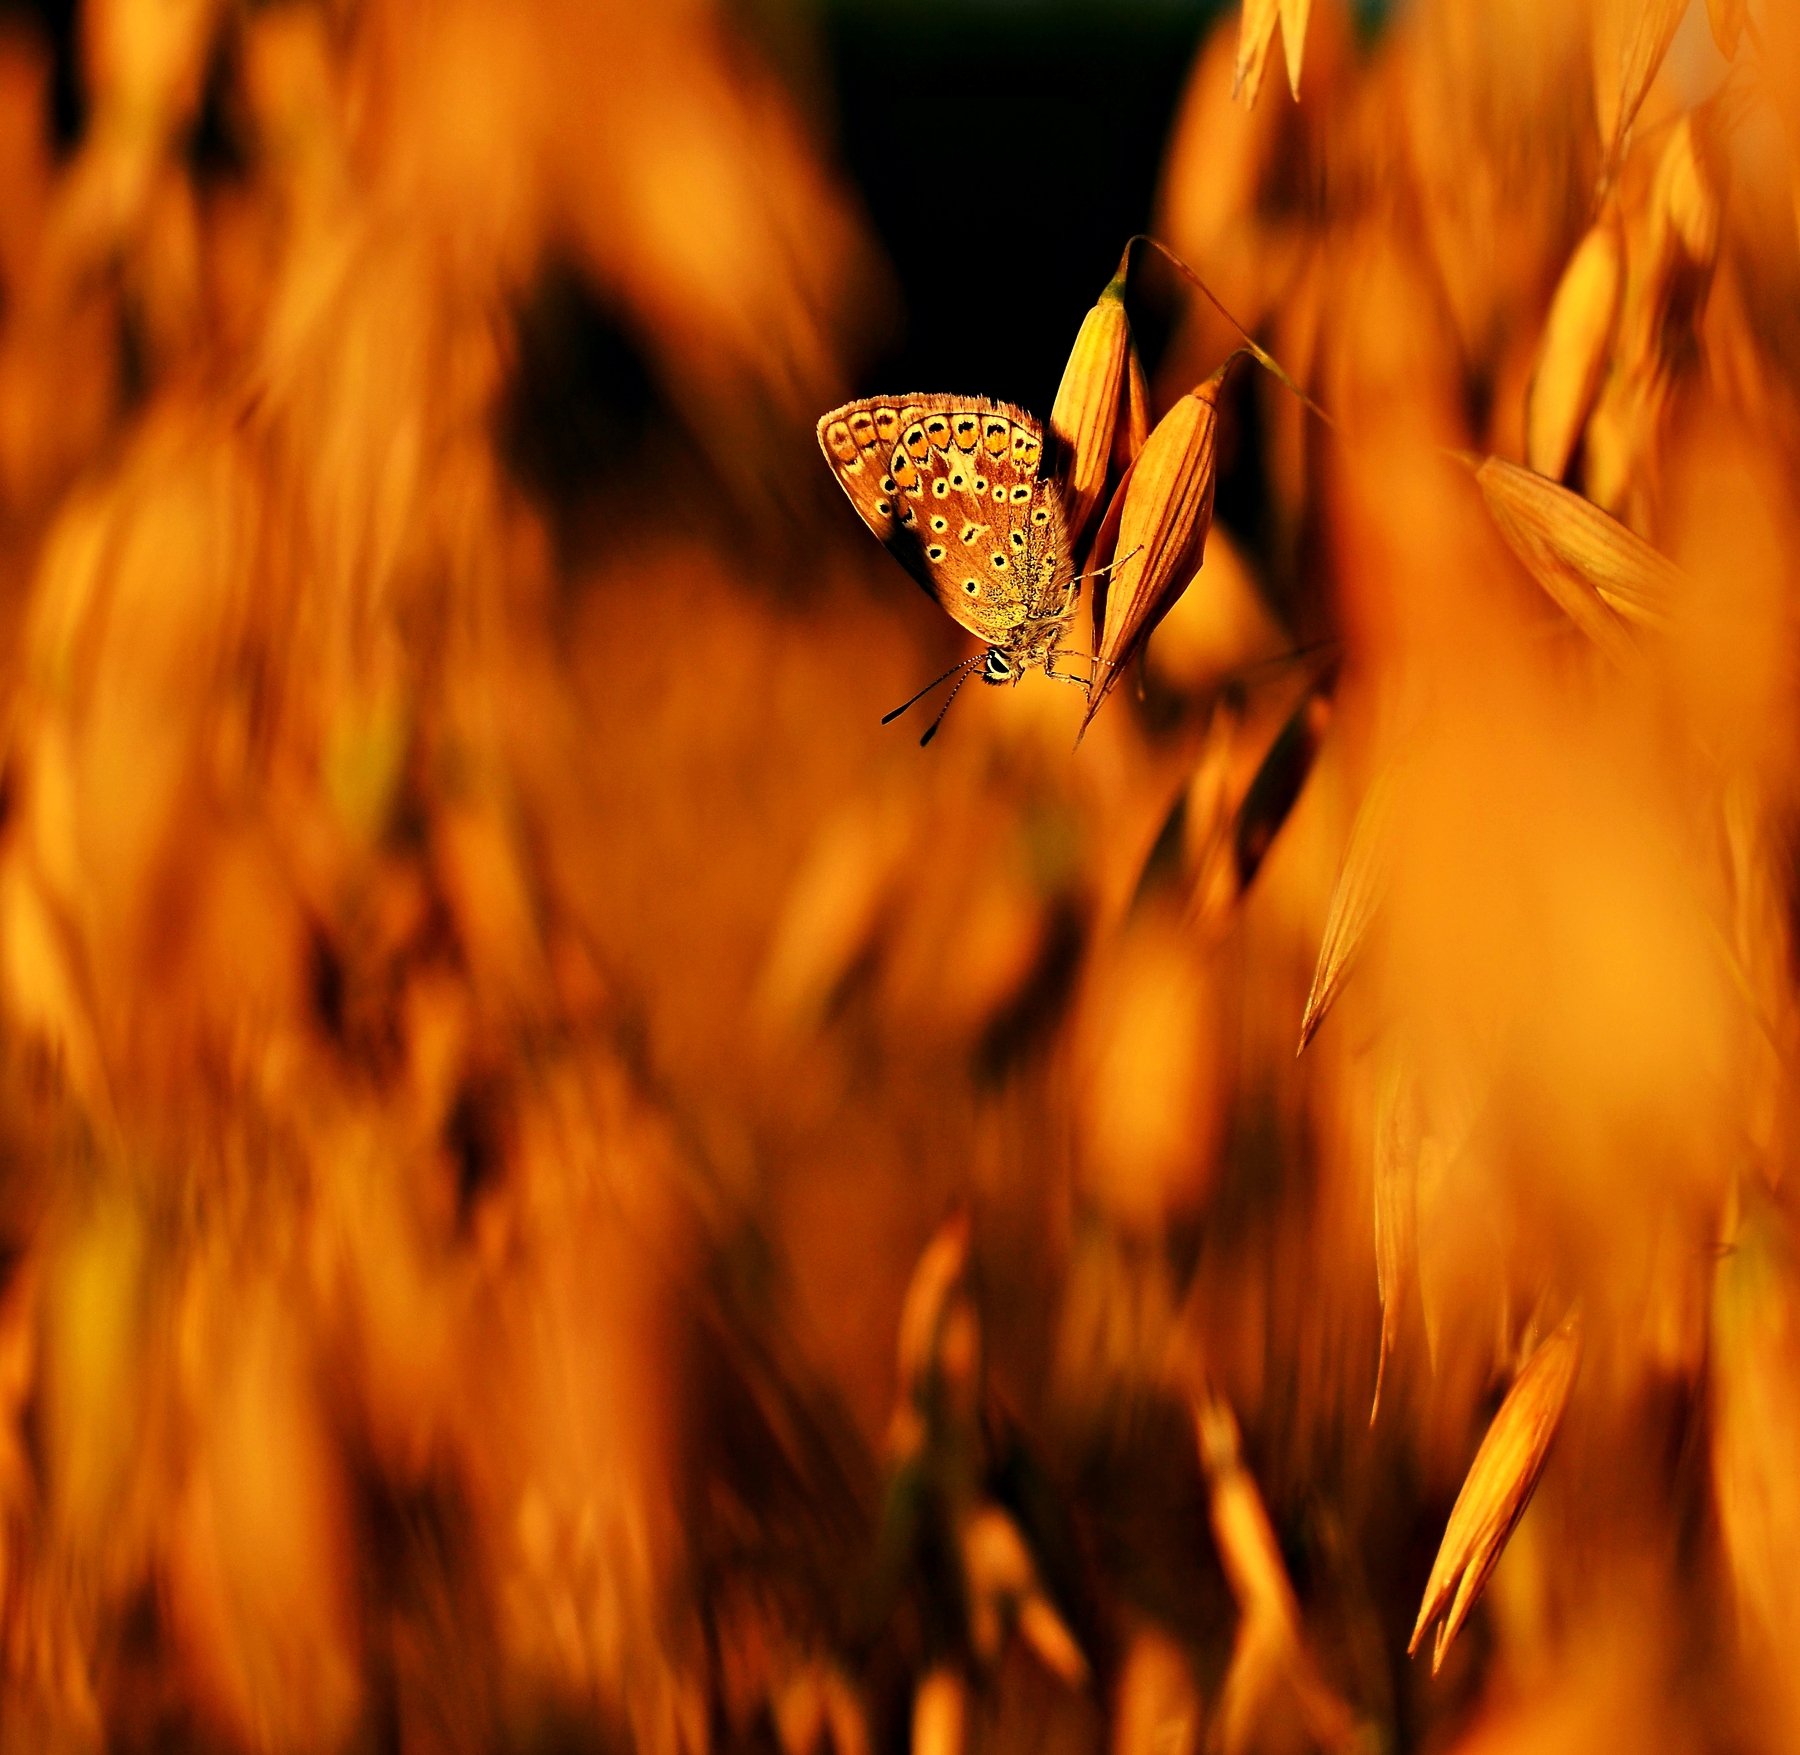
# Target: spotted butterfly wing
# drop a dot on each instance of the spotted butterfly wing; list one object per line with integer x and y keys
{"x": 950, "y": 485}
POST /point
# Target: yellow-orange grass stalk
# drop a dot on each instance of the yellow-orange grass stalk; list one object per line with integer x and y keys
{"x": 1499, "y": 1486}
{"x": 1270, "y": 1652}
{"x": 1247, "y": 1546}
{"x": 940, "y": 1341}
{"x": 940, "y": 1713}
{"x": 1577, "y": 340}
{"x": 1755, "y": 1391}
{"x": 1399, "y": 1147}
{"x": 1595, "y": 569}
{"x": 1093, "y": 394}
{"x": 1003, "y": 1585}
{"x": 1163, "y": 509}
{"x": 1157, "y": 1709}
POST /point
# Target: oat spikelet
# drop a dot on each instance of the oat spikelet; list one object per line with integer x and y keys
{"x": 1727, "y": 20}
{"x": 1631, "y": 38}
{"x": 1674, "y": 251}
{"x": 1577, "y": 339}
{"x": 1090, "y": 400}
{"x": 1163, "y": 510}
{"x": 1499, "y": 1486}
{"x": 1254, "y": 32}
{"x": 1360, "y": 888}
{"x": 1595, "y": 569}
{"x": 1294, "y": 14}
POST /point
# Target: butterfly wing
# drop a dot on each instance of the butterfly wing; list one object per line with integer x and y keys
{"x": 950, "y": 485}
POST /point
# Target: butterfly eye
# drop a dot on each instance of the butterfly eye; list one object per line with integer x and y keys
{"x": 935, "y": 552}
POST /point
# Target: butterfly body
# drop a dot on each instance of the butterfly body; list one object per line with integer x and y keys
{"x": 953, "y": 488}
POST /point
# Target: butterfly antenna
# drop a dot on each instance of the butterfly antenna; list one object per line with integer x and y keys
{"x": 889, "y": 718}
{"x": 950, "y": 700}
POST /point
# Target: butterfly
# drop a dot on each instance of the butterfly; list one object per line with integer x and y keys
{"x": 953, "y": 487}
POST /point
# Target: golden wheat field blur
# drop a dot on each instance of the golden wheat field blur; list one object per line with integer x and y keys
{"x": 563, "y": 1187}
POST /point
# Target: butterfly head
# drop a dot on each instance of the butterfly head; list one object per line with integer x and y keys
{"x": 998, "y": 668}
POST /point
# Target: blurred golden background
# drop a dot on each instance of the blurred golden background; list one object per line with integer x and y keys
{"x": 562, "y": 1188}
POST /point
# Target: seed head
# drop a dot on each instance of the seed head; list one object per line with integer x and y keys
{"x": 1094, "y": 393}
{"x": 1499, "y": 1486}
{"x": 1596, "y": 569}
{"x": 1156, "y": 530}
